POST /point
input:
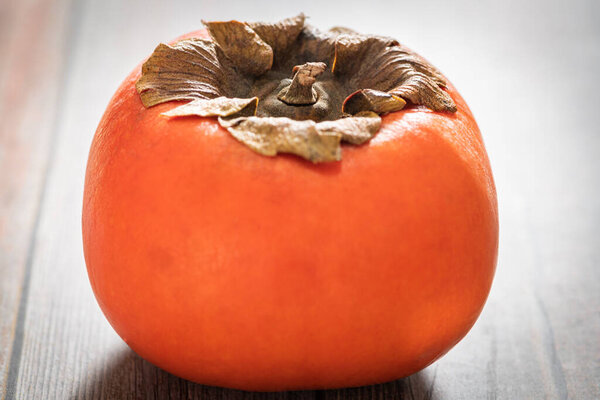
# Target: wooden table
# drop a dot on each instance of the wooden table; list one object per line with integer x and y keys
{"x": 529, "y": 70}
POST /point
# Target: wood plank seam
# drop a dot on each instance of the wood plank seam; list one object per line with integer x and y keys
{"x": 556, "y": 367}
{"x": 19, "y": 330}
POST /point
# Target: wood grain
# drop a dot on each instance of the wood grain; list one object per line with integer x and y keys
{"x": 538, "y": 336}
{"x": 31, "y": 64}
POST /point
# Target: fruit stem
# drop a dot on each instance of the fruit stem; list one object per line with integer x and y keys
{"x": 300, "y": 91}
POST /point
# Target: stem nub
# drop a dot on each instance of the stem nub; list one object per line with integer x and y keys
{"x": 300, "y": 91}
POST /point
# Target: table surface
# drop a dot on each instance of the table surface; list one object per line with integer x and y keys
{"x": 527, "y": 69}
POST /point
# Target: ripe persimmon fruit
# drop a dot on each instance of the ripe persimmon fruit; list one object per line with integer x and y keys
{"x": 225, "y": 264}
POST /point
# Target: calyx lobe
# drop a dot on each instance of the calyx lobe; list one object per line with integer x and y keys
{"x": 288, "y": 88}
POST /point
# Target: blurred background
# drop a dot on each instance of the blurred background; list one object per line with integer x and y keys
{"x": 528, "y": 70}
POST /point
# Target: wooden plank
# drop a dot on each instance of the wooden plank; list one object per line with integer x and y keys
{"x": 127, "y": 376}
{"x": 31, "y": 64}
{"x": 537, "y": 337}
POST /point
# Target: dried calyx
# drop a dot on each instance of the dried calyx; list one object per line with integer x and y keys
{"x": 288, "y": 88}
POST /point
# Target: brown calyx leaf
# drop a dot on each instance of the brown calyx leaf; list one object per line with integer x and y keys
{"x": 218, "y": 107}
{"x": 244, "y": 71}
{"x": 313, "y": 45}
{"x": 372, "y": 100}
{"x": 352, "y": 51}
{"x": 244, "y": 47}
{"x": 280, "y": 35}
{"x": 166, "y": 74}
{"x": 316, "y": 142}
{"x": 271, "y": 135}
{"x": 382, "y": 64}
{"x": 420, "y": 89}
{"x": 342, "y": 30}
{"x": 354, "y": 130}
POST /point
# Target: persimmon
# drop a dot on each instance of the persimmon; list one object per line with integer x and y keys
{"x": 269, "y": 207}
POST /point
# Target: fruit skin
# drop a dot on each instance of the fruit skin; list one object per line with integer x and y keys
{"x": 233, "y": 269}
